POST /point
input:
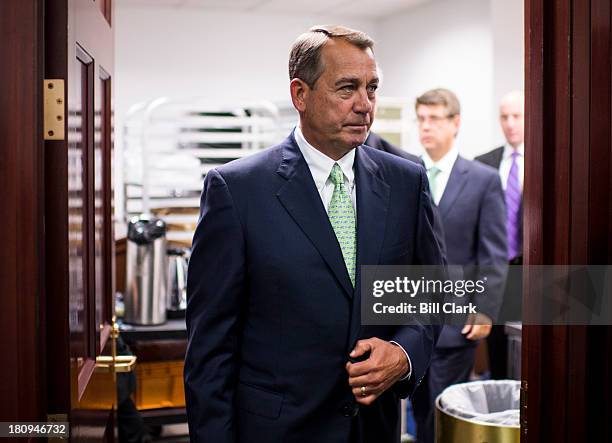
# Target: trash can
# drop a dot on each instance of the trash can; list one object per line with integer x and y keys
{"x": 146, "y": 273}
{"x": 479, "y": 412}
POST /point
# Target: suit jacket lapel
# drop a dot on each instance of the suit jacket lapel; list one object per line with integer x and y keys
{"x": 497, "y": 157}
{"x": 372, "y": 203}
{"x": 456, "y": 181}
{"x": 301, "y": 199}
{"x": 373, "y": 195}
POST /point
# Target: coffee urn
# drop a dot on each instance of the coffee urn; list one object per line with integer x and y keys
{"x": 146, "y": 273}
{"x": 177, "y": 279}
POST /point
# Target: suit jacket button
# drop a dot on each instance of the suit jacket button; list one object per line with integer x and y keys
{"x": 347, "y": 411}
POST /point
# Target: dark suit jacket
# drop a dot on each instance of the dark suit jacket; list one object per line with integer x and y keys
{"x": 493, "y": 158}
{"x": 376, "y": 141}
{"x": 473, "y": 216}
{"x": 272, "y": 314}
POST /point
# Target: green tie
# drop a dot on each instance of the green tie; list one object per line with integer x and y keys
{"x": 342, "y": 217}
{"x": 432, "y": 173}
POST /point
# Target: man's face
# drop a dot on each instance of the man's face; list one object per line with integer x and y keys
{"x": 337, "y": 113}
{"x": 512, "y": 120}
{"x": 437, "y": 129}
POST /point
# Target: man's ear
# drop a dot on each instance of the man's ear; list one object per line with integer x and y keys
{"x": 299, "y": 91}
{"x": 457, "y": 122}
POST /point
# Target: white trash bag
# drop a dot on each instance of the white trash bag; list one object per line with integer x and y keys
{"x": 493, "y": 402}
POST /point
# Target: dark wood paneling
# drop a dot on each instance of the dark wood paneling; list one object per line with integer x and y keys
{"x": 56, "y": 211}
{"x": 21, "y": 173}
{"x": 105, "y": 253}
{"x": 599, "y": 177}
{"x": 533, "y": 199}
{"x": 598, "y": 342}
{"x": 567, "y": 211}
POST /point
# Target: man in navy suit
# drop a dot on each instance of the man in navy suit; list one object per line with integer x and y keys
{"x": 469, "y": 197}
{"x": 509, "y": 161}
{"x": 376, "y": 141}
{"x": 276, "y": 351}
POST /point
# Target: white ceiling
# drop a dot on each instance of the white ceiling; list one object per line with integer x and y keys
{"x": 367, "y": 9}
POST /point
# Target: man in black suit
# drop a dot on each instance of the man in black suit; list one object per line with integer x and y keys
{"x": 376, "y": 141}
{"x": 509, "y": 161}
{"x": 470, "y": 201}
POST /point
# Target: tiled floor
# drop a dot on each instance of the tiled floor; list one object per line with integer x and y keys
{"x": 179, "y": 434}
{"x": 174, "y": 433}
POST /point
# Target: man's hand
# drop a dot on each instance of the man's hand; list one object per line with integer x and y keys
{"x": 370, "y": 378}
{"x": 477, "y": 326}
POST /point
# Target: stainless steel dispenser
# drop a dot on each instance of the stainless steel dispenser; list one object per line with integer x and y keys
{"x": 146, "y": 273}
{"x": 177, "y": 279}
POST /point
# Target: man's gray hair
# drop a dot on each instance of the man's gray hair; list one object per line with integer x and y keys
{"x": 305, "y": 58}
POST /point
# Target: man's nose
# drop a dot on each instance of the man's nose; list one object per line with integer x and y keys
{"x": 425, "y": 124}
{"x": 363, "y": 104}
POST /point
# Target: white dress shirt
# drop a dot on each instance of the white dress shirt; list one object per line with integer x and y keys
{"x": 445, "y": 165}
{"x": 506, "y": 162}
{"x": 320, "y": 166}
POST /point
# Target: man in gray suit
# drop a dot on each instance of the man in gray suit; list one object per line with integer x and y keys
{"x": 470, "y": 201}
{"x": 508, "y": 159}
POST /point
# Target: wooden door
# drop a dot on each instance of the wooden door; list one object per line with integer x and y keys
{"x": 22, "y": 387}
{"x": 567, "y": 370}
{"x": 78, "y": 221}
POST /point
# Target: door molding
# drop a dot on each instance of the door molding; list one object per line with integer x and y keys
{"x": 21, "y": 234}
{"x": 568, "y": 211}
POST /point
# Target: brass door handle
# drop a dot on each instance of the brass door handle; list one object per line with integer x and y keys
{"x": 121, "y": 363}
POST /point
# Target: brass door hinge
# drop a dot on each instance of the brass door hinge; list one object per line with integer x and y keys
{"x": 55, "y": 101}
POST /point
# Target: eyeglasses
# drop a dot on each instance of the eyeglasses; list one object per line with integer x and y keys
{"x": 435, "y": 120}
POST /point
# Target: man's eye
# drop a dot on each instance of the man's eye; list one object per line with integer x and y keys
{"x": 347, "y": 88}
{"x": 372, "y": 89}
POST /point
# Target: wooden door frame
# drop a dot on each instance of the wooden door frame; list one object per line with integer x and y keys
{"x": 30, "y": 389}
{"x": 56, "y": 63}
{"x": 566, "y": 370}
{"x": 70, "y": 40}
{"x": 21, "y": 234}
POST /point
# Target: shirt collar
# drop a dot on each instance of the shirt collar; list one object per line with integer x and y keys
{"x": 509, "y": 149}
{"x": 320, "y": 165}
{"x": 445, "y": 164}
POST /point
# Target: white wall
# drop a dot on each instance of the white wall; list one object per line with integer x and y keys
{"x": 222, "y": 56}
{"x": 474, "y": 47}
{"x": 444, "y": 43}
{"x": 507, "y": 23}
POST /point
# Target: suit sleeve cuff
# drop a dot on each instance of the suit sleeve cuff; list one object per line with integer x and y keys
{"x": 409, "y": 373}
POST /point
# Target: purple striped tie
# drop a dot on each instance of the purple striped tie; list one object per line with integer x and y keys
{"x": 513, "y": 204}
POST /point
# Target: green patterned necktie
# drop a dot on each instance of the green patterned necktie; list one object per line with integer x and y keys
{"x": 432, "y": 174}
{"x": 342, "y": 217}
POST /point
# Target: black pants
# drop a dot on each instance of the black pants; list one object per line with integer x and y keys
{"x": 129, "y": 421}
{"x": 497, "y": 346}
{"x": 511, "y": 310}
{"x": 448, "y": 367}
